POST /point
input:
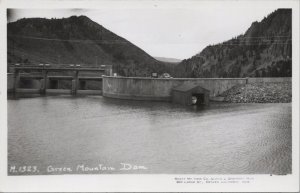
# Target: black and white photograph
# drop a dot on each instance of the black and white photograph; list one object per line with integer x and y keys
{"x": 152, "y": 87}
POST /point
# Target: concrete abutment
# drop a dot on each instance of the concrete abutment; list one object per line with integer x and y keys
{"x": 159, "y": 89}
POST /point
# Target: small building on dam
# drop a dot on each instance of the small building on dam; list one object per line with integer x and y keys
{"x": 190, "y": 94}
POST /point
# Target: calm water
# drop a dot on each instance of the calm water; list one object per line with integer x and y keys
{"x": 62, "y": 135}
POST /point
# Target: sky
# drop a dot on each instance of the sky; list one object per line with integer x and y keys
{"x": 166, "y": 29}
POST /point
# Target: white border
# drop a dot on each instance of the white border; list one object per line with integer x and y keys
{"x": 149, "y": 183}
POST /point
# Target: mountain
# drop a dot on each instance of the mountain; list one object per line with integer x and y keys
{"x": 265, "y": 50}
{"x": 168, "y": 60}
{"x": 76, "y": 40}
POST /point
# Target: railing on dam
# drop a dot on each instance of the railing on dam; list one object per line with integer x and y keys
{"x": 45, "y": 74}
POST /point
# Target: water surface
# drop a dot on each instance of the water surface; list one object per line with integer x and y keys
{"x": 79, "y": 134}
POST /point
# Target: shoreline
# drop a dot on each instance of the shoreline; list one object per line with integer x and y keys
{"x": 260, "y": 92}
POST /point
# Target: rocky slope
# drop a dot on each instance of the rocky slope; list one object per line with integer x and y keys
{"x": 280, "y": 92}
{"x": 265, "y": 50}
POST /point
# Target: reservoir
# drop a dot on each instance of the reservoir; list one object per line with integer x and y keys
{"x": 96, "y": 135}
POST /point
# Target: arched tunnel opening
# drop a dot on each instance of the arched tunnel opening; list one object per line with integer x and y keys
{"x": 198, "y": 99}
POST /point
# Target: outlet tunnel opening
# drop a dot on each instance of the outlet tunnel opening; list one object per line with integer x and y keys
{"x": 198, "y": 99}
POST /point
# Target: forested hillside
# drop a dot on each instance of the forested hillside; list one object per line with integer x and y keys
{"x": 76, "y": 40}
{"x": 264, "y": 50}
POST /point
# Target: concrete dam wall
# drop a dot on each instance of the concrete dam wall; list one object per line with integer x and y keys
{"x": 159, "y": 89}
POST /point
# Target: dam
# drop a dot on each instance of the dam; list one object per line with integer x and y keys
{"x": 160, "y": 89}
{"x": 134, "y": 88}
{"x": 45, "y": 79}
